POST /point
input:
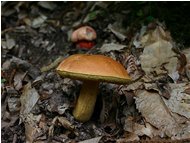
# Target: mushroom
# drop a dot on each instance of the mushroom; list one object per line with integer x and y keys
{"x": 91, "y": 69}
{"x": 84, "y": 37}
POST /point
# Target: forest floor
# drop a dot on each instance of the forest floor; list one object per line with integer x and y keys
{"x": 149, "y": 39}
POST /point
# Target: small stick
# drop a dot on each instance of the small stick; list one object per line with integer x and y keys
{"x": 52, "y": 65}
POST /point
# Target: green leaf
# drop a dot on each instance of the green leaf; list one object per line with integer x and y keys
{"x": 3, "y": 80}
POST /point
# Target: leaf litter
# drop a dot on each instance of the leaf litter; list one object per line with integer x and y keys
{"x": 37, "y": 104}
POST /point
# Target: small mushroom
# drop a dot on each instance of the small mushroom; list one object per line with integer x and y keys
{"x": 91, "y": 69}
{"x": 84, "y": 37}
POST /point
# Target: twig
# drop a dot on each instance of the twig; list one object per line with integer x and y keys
{"x": 14, "y": 138}
{"x": 52, "y": 65}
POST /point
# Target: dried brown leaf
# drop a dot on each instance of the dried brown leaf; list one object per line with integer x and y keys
{"x": 65, "y": 123}
{"x": 159, "y": 55}
{"x": 117, "y": 30}
{"x": 112, "y": 47}
{"x": 28, "y": 100}
{"x": 179, "y": 101}
{"x": 156, "y": 113}
{"x": 156, "y": 35}
{"x": 128, "y": 137}
{"x": 47, "y": 4}
{"x": 139, "y": 129}
{"x": 32, "y": 130}
{"x": 93, "y": 140}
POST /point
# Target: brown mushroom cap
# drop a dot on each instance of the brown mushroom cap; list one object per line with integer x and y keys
{"x": 93, "y": 67}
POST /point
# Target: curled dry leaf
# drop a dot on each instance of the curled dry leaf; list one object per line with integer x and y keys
{"x": 10, "y": 42}
{"x": 187, "y": 54}
{"x": 187, "y": 67}
{"x": 117, "y": 30}
{"x": 128, "y": 137}
{"x": 153, "y": 36}
{"x": 112, "y": 47}
{"x": 159, "y": 55}
{"x": 60, "y": 121}
{"x": 28, "y": 100}
{"x": 93, "y": 140}
{"x": 26, "y": 66}
{"x": 18, "y": 79}
{"x": 32, "y": 130}
{"x": 65, "y": 123}
{"x": 139, "y": 129}
{"x": 156, "y": 113}
{"x": 47, "y": 4}
{"x": 13, "y": 104}
{"x": 179, "y": 101}
{"x": 37, "y": 22}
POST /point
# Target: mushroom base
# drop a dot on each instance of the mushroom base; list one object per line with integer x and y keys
{"x": 86, "y": 101}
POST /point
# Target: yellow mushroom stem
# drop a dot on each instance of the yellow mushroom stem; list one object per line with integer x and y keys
{"x": 86, "y": 101}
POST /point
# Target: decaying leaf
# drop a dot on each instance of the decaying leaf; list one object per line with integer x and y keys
{"x": 156, "y": 35}
{"x": 28, "y": 100}
{"x": 18, "y": 79}
{"x": 187, "y": 67}
{"x": 65, "y": 123}
{"x": 37, "y": 22}
{"x": 117, "y": 29}
{"x": 13, "y": 104}
{"x": 25, "y": 66}
{"x": 187, "y": 70}
{"x": 93, "y": 140}
{"x": 60, "y": 121}
{"x": 10, "y": 42}
{"x": 139, "y": 129}
{"x": 179, "y": 101}
{"x": 32, "y": 130}
{"x": 91, "y": 16}
{"x": 159, "y": 55}
{"x": 187, "y": 54}
{"x": 156, "y": 113}
{"x": 112, "y": 47}
{"x": 128, "y": 137}
{"x": 47, "y": 4}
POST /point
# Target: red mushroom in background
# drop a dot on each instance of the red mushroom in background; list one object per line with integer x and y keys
{"x": 83, "y": 37}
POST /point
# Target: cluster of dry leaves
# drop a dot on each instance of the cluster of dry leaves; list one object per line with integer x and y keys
{"x": 156, "y": 106}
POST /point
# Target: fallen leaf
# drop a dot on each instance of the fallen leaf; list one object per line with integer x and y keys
{"x": 117, "y": 30}
{"x": 18, "y": 79}
{"x": 26, "y": 66}
{"x": 187, "y": 70}
{"x": 156, "y": 113}
{"x": 13, "y": 104}
{"x": 37, "y": 22}
{"x": 128, "y": 137}
{"x": 187, "y": 67}
{"x": 91, "y": 16}
{"x": 10, "y": 43}
{"x": 155, "y": 35}
{"x": 28, "y": 100}
{"x": 47, "y": 4}
{"x": 157, "y": 55}
{"x": 93, "y": 140}
{"x": 65, "y": 123}
{"x": 187, "y": 54}
{"x": 112, "y": 47}
{"x": 139, "y": 129}
{"x": 179, "y": 102}
{"x": 32, "y": 130}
